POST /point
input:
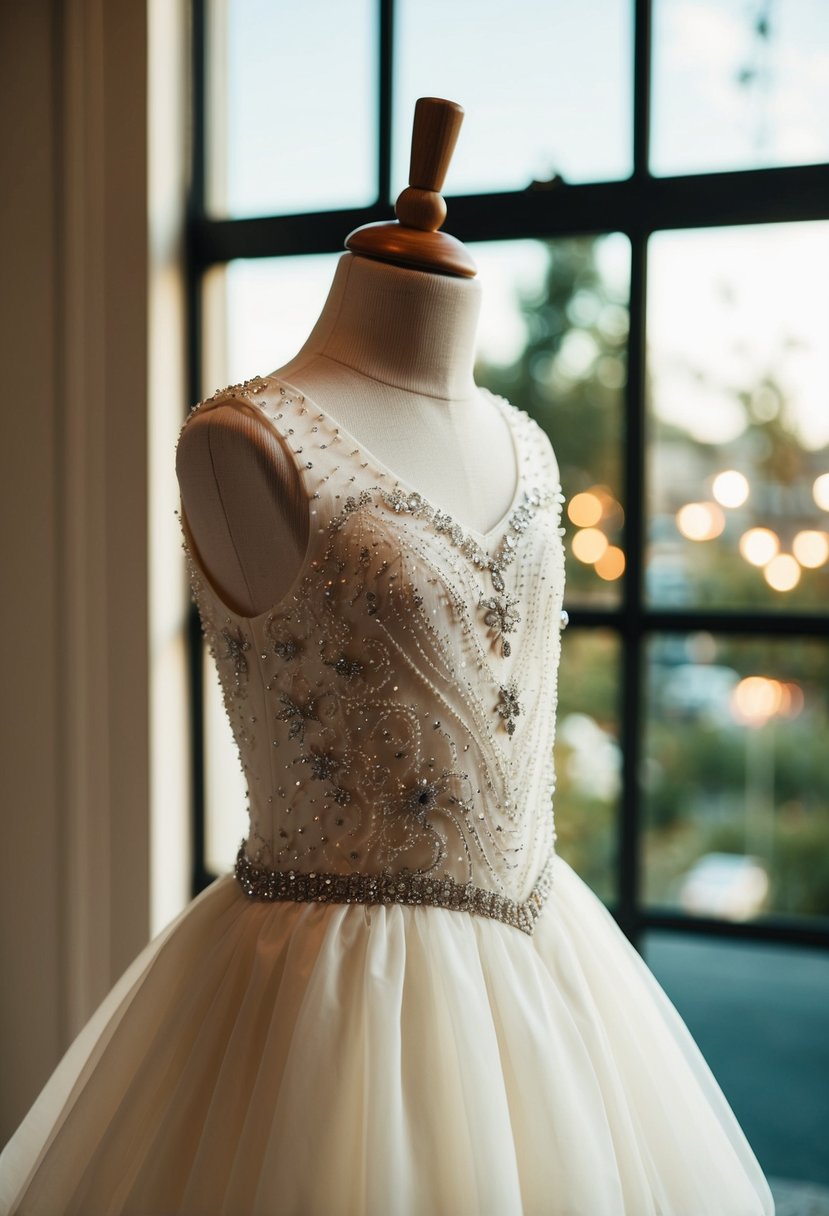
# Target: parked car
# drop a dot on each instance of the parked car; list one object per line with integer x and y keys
{"x": 728, "y": 885}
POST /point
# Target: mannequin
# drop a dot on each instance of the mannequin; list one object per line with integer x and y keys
{"x": 391, "y": 361}
{"x": 402, "y": 999}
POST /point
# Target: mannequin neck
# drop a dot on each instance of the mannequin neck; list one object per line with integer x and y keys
{"x": 404, "y": 328}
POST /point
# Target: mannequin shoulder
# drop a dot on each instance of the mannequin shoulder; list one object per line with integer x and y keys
{"x": 230, "y": 438}
{"x": 244, "y": 499}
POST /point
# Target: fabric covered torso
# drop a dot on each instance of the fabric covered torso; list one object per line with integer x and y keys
{"x": 395, "y": 711}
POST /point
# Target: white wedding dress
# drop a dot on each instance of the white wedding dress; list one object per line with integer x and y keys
{"x": 403, "y": 1003}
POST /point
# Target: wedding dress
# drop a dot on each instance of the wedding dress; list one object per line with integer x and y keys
{"x": 403, "y": 1002}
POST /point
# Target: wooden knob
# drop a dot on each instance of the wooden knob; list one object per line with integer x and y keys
{"x": 437, "y": 125}
{"x": 420, "y": 208}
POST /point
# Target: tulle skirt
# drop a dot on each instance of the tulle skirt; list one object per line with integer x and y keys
{"x": 300, "y": 1059}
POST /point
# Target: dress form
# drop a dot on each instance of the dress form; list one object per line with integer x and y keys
{"x": 391, "y": 360}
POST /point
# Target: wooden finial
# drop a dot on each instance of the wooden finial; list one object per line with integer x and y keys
{"x": 414, "y": 239}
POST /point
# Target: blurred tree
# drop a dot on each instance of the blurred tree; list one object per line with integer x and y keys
{"x": 570, "y": 377}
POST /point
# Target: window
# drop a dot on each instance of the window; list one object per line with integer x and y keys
{"x": 650, "y": 241}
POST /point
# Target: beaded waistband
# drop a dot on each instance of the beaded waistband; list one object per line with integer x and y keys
{"x": 403, "y": 888}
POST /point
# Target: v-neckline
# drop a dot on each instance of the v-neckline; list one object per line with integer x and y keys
{"x": 484, "y": 539}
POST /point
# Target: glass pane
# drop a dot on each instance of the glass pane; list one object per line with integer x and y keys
{"x": 739, "y": 86}
{"x": 737, "y": 776}
{"x": 291, "y": 122}
{"x": 758, "y": 1012}
{"x": 553, "y": 339}
{"x": 738, "y": 442}
{"x": 225, "y": 791}
{"x": 588, "y": 756}
{"x": 546, "y": 88}
{"x": 258, "y": 313}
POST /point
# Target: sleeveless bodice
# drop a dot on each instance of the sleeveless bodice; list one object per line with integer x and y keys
{"x": 395, "y": 711}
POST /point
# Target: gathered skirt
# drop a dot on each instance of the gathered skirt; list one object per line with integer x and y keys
{"x": 305, "y": 1059}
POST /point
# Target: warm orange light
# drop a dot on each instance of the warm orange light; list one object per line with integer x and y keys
{"x": 793, "y": 700}
{"x": 589, "y": 545}
{"x": 756, "y": 699}
{"x": 611, "y": 565}
{"x": 730, "y": 488}
{"x": 700, "y": 520}
{"x": 820, "y": 491}
{"x": 759, "y": 545}
{"x": 811, "y": 548}
{"x": 585, "y": 510}
{"x": 782, "y": 573}
{"x": 612, "y": 513}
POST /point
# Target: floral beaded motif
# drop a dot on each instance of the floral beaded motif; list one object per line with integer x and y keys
{"x": 394, "y": 714}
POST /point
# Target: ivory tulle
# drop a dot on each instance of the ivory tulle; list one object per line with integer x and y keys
{"x": 298, "y": 1059}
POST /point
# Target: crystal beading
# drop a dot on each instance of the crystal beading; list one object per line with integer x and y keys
{"x": 501, "y": 615}
{"x": 375, "y": 731}
{"x": 404, "y": 887}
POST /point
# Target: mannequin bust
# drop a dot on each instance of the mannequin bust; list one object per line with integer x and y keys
{"x": 391, "y": 360}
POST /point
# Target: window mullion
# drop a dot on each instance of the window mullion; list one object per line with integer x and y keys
{"x": 634, "y": 473}
{"x": 199, "y": 877}
{"x": 385, "y": 77}
{"x": 641, "y": 88}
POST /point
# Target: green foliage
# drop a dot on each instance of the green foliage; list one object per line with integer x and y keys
{"x": 570, "y": 377}
{"x": 696, "y": 799}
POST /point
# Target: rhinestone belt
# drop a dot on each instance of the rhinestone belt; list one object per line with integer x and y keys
{"x": 403, "y": 888}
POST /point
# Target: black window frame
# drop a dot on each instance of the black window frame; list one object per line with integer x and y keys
{"x": 637, "y": 206}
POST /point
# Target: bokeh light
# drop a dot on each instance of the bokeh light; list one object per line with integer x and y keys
{"x": 584, "y": 510}
{"x": 820, "y": 491}
{"x": 756, "y": 699}
{"x": 782, "y": 573}
{"x": 793, "y": 700}
{"x": 730, "y": 488}
{"x": 589, "y": 545}
{"x": 811, "y": 548}
{"x": 759, "y": 545}
{"x": 611, "y": 565}
{"x": 700, "y": 520}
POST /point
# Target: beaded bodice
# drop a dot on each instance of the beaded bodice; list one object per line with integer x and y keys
{"x": 395, "y": 711}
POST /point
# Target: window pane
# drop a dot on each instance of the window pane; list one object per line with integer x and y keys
{"x": 738, "y": 344}
{"x": 553, "y": 339}
{"x": 739, "y": 86}
{"x": 258, "y": 312}
{"x": 758, "y": 1012}
{"x": 292, "y": 122}
{"x": 588, "y": 756}
{"x": 225, "y": 797}
{"x": 546, "y": 88}
{"x": 737, "y": 776}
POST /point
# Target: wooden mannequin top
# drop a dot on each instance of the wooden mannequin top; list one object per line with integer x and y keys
{"x": 391, "y": 360}
{"x": 413, "y": 239}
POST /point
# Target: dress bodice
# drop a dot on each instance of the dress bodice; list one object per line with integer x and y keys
{"x": 395, "y": 711}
